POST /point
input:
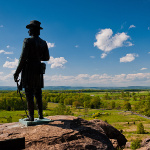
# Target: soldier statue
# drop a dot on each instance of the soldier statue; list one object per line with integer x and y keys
{"x": 34, "y": 51}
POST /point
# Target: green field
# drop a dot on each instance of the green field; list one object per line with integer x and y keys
{"x": 119, "y": 118}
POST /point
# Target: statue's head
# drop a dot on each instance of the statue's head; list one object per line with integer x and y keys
{"x": 34, "y": 28}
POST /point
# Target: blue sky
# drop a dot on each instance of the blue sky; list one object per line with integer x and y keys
{"x": 91, "y": 42}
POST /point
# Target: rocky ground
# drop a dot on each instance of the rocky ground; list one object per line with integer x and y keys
{"x": 66, "y": 132}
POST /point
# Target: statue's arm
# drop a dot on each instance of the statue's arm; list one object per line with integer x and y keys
{"x": 46, "y": 55}
{"x": 23, "y": 57}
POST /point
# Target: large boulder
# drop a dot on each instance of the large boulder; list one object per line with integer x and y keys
{"x": 66, "y": 132}
{"x": 111, "y": 132}
{"x": 146, "y": 143}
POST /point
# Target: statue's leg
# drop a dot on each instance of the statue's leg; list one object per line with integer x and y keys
{"x": 38, "y": 96}
{"x": 30, "y": 103}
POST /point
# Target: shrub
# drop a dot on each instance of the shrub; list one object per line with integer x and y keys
{"x": 135, "y": 144}
{"x": 140, "y": 129}
{"x": 97, "y": 114}
{"x": 61, "y": 109}
{"x": 9, "y": 119}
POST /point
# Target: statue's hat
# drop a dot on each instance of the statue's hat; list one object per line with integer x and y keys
{"x": 35, "y": 24}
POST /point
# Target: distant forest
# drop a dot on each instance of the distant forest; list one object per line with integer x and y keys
{"x": 136, "y": 100}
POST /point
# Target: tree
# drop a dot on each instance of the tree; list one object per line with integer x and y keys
{"x": 76, "y": 104}
{"x": 95, "y": 102}
{"x": 127, "y": 106}
{"x": 140, "y": 129}
{"x": 113, "y": 104}
{"x": 106, "y": 97}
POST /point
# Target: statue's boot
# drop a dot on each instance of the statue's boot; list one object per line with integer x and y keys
{"x": 31, "y": 112}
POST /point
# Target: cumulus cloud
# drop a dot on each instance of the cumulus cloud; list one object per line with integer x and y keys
{"x": 148, "y": 28}
{"x": 103, "y": 55}
{"x": 132, "y": 26}
{"x": 107, "y": 42}
{"x": 57, "y": 62}
{"x": 82, "y": 76}
{"x": 11, "y": 64}
{"x": 2, "y": 51}
{"x": 92, "y": 57}
{"x": 101, "y": 79}
{"x": 76, "y": 46}
{"x": 6, "y": 79}
{"x": 129, "y": 43}
{"x": 128, "y": 57}
{"x": 143, "y": 68}
{"x": 50, "y": 45}
{"x": 1, "y": 26}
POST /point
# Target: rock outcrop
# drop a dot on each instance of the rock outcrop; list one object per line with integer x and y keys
{"x": 66, "y": 132}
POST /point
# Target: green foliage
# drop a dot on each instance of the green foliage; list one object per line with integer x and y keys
{"x": 76, "y": 104}
{"x": 98, "y": 114}
{"x": 140, "y": 129}
{"x": 127, "y": 105}
{"x": 106, "y": 97}
{"x": 113, "y": 104}
{"x": 135, "y": 144}
{"x": 61, "y": 109}
{"x": 9, "y": 119}
{"x": 95, "y": 102}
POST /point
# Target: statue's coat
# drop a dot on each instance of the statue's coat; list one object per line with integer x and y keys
{"x": 34, "y": 51}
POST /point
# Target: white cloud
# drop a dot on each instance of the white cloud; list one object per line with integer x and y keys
{"x": 107, "y": 42}
{"x": 128, "y": 57}
{"x": 148, "y": 52}
{"x": 2, "y": 51}
{"x": 12, "y": 64}
{"x": 8, "y": 53}
{"x": 148, "y": 28}
{"x": 143, "y": 68}
{"x": 57, "y": 62}
{"x": 92, "y": 57}
{"x": 1, "y": 26}
{"x": 129, "y": 43}
{"x": 103, "y": 55}
{"x": 132, "y": 26}
{"x": 50, "y": 45}
{"x": 77, "y": 46}
{"x": 9, "y": 58}
{"x": 8, "y": 46}
{"x": 100, "y": 79}
{"x": 82, "y": 76}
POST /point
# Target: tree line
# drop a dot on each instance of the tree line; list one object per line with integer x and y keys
{"x": 126, "y": 100}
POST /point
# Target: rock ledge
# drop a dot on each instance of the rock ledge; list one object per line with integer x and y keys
{"x": 66, "y": 132}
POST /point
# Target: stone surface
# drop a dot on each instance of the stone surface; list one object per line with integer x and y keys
{"x": 146, "y": 144}
{"x": 66, "y": 132}
{"x": 111, "y": 132}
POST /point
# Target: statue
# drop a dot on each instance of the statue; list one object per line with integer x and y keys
{"x": 34, "y": 51}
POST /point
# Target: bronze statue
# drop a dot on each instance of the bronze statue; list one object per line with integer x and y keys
{"x": 34, "y": 51}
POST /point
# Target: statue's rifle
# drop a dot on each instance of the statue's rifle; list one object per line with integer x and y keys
{"x": 18, "y": 91}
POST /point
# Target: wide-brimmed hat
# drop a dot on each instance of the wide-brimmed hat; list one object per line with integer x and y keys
{"x": 35, "y": 24}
